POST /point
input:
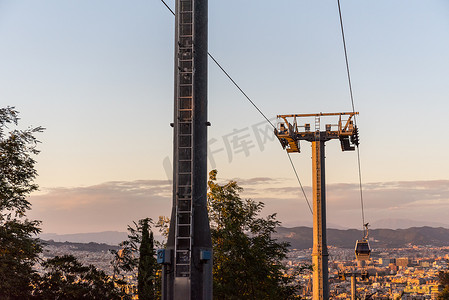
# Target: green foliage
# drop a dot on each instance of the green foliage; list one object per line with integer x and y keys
{"x": 444, "y": 278}
{"x": 147, "y": 264}
{"x": 444, "y": 281}
{"x": 67, "y": 278}
{"x": 18, "y": 253}
{"x": 127, "y": 258}
{"x": 163, "y": 224}
{"x": 247, "y": 261}
{"x": 137, "y": 255}
{"x": 19, "y": 250}
{"x": 444, "y": 295}
{"x": 17, "y": 149}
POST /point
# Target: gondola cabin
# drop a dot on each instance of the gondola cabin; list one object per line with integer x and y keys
{"x": 362, "y": 250}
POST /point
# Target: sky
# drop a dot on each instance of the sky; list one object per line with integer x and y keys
{"x": 98, "y": 75}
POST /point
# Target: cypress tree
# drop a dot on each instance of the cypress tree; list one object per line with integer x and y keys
{"x": 147, "y": 264}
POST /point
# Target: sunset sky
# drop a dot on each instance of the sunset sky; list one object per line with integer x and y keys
{"x": 98, "y": 75}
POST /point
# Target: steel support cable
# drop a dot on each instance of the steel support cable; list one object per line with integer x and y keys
{"x": 238, "y": 87}
{"x": 229, "y": 76}
{"x": 288, "y": 155}
{"x": 168, "y": 7}
{"x": 255, "y": 106}
{"x": 300, "y": 184}
{"x": 353, "y": 110}
{"x": 289, "y": 158}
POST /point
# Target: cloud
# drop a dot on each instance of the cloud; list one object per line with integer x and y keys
{"x": 256, "y": 181}
{"x": 107, "y": 193}
{"x": 378, "y": 195}
{"x": 107, "y": 206}
{"x": 114, "y": 205}
{"x": 417, "y": 200}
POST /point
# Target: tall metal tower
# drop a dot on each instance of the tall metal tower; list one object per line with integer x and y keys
{"x": 187, "y": 260}
{"x": 289, "y": 134}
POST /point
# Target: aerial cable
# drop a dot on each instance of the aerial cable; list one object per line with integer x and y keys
{"x": 238, "y": 87}
{"x": 353, "y": 110}
{"x": 299, "y": 181}
{"x": 255, "y": 106}
{"x": 168, "y": 7}
{"x": 229, "y": 76}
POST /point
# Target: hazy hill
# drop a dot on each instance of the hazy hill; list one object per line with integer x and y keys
{"x": 89, "y": 247}
{"x": 106, "y": 237}
{"x": 402, "y": 224}
{"x": 301, "y": 237}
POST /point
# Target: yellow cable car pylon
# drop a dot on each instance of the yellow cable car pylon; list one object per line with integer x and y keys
{"x": 290, "y": 133}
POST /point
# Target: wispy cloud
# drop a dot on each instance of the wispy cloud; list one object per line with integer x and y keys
{"x": 107, "y": 206}
{"x": 418, "y": 200}
{"x": 114, "y": 205}
{"x": 106, "y": 193}
{"x": 256, "y": 181}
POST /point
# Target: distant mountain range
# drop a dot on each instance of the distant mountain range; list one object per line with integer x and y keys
{"x": 301, "y": 237}
{"x": 379, "y": 224}
{"x": 89, "y": 247}
{"x": 403, "y": 224}
{"x": 105, "y": 237}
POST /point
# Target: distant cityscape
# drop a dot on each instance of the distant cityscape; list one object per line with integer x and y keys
{"x": 407, "y": 272}
{"x": 397, "y": 273}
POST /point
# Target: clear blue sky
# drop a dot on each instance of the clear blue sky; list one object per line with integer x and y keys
{"x": 99, "y": 76}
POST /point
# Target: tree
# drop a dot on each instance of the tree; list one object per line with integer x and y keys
{"x": 137, "y": 255}
{"x": 67, "y": 278}
{"x": 444, "y": 281}
{"x": 19, "y": 249}
{"x": 247, "y": 261}
{"x": 147, "y": 264}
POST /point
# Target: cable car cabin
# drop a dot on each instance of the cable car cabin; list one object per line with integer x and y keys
{"x": 362, "y": 250}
